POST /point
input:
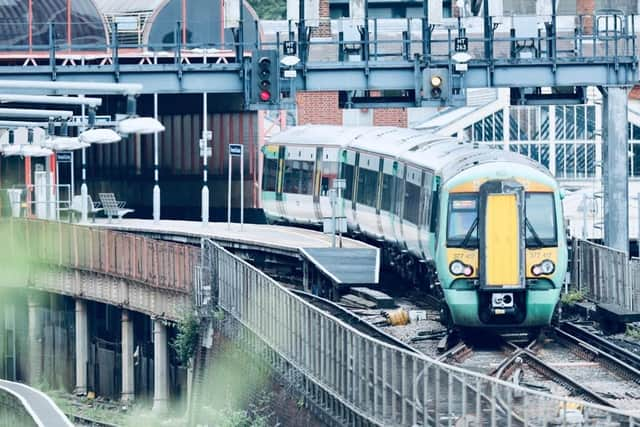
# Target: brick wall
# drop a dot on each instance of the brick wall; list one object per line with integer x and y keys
{"x": 390, "y": 117}
{"x": 321, "y": 108}
{"x": 586, "y": 7}
{"x": 318, "y": 108}
{"x": 324, "y": 29}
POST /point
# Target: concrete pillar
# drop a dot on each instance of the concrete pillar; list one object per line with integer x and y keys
{"x": 127, "y": 357}
{"x": 160, "y": 365}
{"x": 82, "y": 346}
{"x": 615, "y": 168}
{"x": 35, "y": 339}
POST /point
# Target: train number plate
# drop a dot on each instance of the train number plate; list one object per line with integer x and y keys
{"x": 501, "y": 300}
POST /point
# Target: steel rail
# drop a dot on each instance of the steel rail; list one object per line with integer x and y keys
{"x": 619, "y": 359}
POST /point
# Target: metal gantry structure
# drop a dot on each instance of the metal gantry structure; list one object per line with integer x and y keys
{"x": 597, "y": 51}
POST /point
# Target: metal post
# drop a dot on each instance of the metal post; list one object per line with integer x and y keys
{"x": 229, "y": 194}
{"x": 302, "y": 33}
{"x": 487, "y": 31}
{"x": 584, "y": 216}
{"x": 241, "y": 189}
{"x": 342, "y": 215}
{"x": 204, "y": 146}
{"x": 333, "y": 201}
{"x": 156, "y": 186}
{"x": 426, "y": 32}
{"x": 615, "y": 171}
{"x": 638, "y": 224}
{"x": 84, "y": 191}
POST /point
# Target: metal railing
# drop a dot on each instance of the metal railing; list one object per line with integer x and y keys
{"x": 605, "y": 275}
{"x": 355, "y": 379}
{"x": 14, "y": 409}
{"x": 573, "y": 38}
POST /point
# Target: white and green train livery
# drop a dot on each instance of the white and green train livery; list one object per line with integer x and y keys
{"x": 483, "y": 226}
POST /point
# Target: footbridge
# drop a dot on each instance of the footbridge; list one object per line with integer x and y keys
{"x": 345, "y": 376}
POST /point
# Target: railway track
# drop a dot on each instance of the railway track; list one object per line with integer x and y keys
{"x": 353, "y": 320}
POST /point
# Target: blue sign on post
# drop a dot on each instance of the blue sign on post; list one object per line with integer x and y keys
{"x": 235, "y": 149}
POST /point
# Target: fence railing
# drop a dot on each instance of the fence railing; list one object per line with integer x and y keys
{"x": 354, "y": 378}
{"x": 605, "y": 275}
{"x": 155, "y": 263}
{"x": 13, "y": 410}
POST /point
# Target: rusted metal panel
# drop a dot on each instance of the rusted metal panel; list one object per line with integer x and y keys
{"x": 164, "y": 265}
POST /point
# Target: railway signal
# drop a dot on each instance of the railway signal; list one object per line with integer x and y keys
{"x": 265, "y": 78}
{"x": 435, "y": 84}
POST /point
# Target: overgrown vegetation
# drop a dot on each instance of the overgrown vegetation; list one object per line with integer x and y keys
{"x": 186, "y": 342}
{"x": 572, "y": 297}
{"x": 633, "y": 331}
{"x": 270, "y": 9}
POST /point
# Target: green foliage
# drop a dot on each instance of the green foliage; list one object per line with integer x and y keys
{"x": 270, "y": 9}
{"x": 572, "y": 297}
{"x": 633, "y": 332}
{"x": 186, "y": 341}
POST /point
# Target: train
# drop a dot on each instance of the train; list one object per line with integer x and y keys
{"x": 481, "y": 227}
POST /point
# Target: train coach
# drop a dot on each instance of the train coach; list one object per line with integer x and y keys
{"x": 483, "y": 228}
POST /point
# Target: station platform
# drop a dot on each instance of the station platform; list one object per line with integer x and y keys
{"x": 269, "y": 238}
{"x": 41, "y": 408}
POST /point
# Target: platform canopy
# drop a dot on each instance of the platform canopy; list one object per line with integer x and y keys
{"x": 346, "y": 266}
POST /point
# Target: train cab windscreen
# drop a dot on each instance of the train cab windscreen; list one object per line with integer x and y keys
{"x": 462, "y": 227}
{"x": 540, "y": 220}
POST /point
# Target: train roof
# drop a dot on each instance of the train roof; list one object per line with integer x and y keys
{"x": 444, "y": 155}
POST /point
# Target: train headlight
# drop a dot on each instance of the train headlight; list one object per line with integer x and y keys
{"x": 457, "y": 268}
{"x": 545, "y": 267}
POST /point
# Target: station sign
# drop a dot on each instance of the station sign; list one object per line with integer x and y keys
{"x": 63, "y": 156}
{"x": 235, "y": 149}
{"x": 340, "y": 225}
{"x": 339, "y": 184}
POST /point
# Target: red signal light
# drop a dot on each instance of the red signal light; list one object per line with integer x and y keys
{"x": 265, "y": 95}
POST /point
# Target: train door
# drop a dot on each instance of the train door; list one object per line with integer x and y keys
{"x": 367, "y": 193}
{"x": 411, "y": 209}
{"x": 317, "y": 181}
{"x": 297, "y": 187}
{"x": 348, "y": 173}
{"x": 272, "y": 180}
{"x": 328, "y": 172}
{"x": 398, "y": 201}
{"x": 387, "y": 197}
{"x": 501, "y": 234}
{"x": 425, "y": 211}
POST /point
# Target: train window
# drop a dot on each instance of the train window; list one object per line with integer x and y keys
{"x": 347, "y": 175}
{"x": 541, "y": 219}
{"x": 329, "y": 174}
{"x": 411, "y": 210}
{"x": 298, "y": 177}
{"x": 386, "y": 192}
{"x": 462, "y": 230}
{"x": 270, "y": 175}
{"x": 367, "y": 187}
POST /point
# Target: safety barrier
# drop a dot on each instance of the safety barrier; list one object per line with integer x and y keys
{"x": 155, "y": 263}
{"x": 355, "y": 379}
{"x": 605, "y": 275}
{"x": 13, "y": 410}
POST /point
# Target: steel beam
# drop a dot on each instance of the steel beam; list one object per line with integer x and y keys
{"x": 615, "y": 168}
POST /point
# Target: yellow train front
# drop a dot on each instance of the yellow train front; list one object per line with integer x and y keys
{"x": 481, "y": 228}
{"x": 502, "y": 257}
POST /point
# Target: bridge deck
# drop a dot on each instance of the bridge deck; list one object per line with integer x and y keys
{"x": 41, "y": 407}
{"x": 276, "y": 238}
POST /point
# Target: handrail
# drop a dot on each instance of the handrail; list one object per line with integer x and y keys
{"x": 48, "y": 415}
{"x": 368, "y": 378}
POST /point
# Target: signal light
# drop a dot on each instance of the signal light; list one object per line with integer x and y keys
{"x": 264, "y": 65}
{"x": 265, "y": 78}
